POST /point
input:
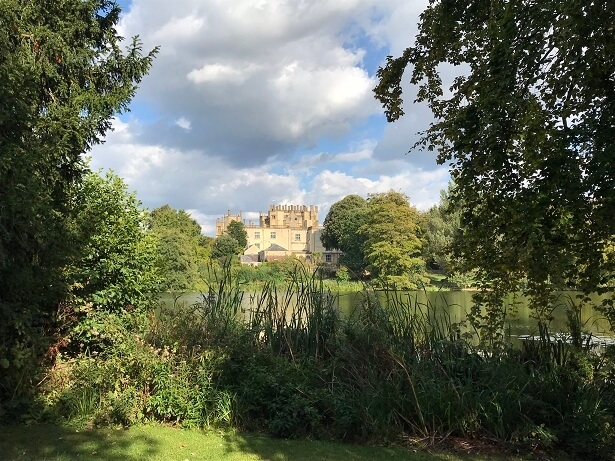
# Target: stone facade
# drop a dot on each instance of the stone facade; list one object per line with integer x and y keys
{"x": 291, "y": 229}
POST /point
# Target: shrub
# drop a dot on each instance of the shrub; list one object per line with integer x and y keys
{"x": 291, "y": 366}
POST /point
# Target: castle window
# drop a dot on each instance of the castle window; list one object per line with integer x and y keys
{"x": 297, "y": 237}
{"x": 257, "y": 235}
{"x": 328, "y": 258}
{"x": 273, "y": 235}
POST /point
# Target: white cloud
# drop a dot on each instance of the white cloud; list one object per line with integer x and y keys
{"x": 363, "y": 152}
{"x": 179, "y": 29}
{"x": 274, "y": 102}
{"x": 320, "y": 100}
{"x": 423, "y": 187}
{"x": 293, "y": 75}
{"x": 360, "y": 153}
{"x": 217, "y": 73}
{"x": 183, "y": 123}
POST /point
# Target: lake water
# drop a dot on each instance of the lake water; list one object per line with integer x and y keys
{"x": 457, "y": 304}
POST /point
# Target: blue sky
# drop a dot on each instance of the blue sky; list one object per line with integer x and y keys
{"x": 255, "y": 102}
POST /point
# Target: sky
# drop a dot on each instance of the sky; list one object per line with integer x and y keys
{"x": 252, "y": 103}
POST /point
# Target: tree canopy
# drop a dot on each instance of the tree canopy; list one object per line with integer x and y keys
{"x": 340, "y": 231}
{"x": 392, "y": 247}
{"x": 440, "y": 226}
{"x": 527, "y": 128}
{"x": 237, "y": 230}
{"x": 379, "y": 235}
{"x": 224, "y": 246}
{"x": 63, "y": 76}
{"x": 117, "y": 266}
{"x": 181, "y": 247}
{"x": 166, "y": 217}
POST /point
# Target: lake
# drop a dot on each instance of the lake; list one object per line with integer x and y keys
{"x": 457, "y": 304}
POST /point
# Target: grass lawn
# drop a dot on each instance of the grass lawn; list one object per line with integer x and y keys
{"x": 155, "y": 442}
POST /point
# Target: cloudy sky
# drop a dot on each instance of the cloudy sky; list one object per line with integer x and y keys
{"x": 258, "y": 102}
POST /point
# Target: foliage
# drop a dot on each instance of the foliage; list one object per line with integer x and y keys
{"x": 117, "y": 268}
{"x": 342, "y": 274}
{"x": 378, "y": 235}
{"x": 165, "y": 217}
{"x": 440, "y": 228}
{"x": 108, "y": 382}
{"x": 182, "y": 248}
{"x": 392, "y": 247}
{"x": 129, "y": 380}
{"x": 265, "y": 272}
{"x": 288, "y": 364}
{"x": 224, "y": 246}
{"x": 178, "y": 260}
{"x": 527, "y": 129}
{"x": 237, "y": 230}
{"x": 278, "y": 272}
{"x": 340, "y": 231}
{"x": 117, "y": 272}
{"x": 441, "y": 233}
{"x": 63, "y": 75}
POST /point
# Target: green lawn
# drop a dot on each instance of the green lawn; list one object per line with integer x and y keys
{"x": 58, "y": 443}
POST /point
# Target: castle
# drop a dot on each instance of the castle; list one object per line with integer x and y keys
{"x": 283, "y": 231}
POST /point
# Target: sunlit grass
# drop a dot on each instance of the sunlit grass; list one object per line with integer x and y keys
{"x": 156, "y": 442}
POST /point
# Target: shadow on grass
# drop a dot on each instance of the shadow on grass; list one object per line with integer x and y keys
{"x": 60, "y": 443}
{"x": 266, "y": 448}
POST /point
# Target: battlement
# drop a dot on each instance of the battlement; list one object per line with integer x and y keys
{"x": 284, "y": 230}
{"x": 278, "y": 217}
{"x": 297, "y": 208}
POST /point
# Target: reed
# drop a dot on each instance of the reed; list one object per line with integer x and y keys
{"x": 285, "y": 361}
{"x": 298, "y": 322}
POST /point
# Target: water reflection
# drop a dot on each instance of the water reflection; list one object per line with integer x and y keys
{"x": 456, "y": 305}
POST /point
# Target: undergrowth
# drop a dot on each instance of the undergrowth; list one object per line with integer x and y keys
{"x": 290, "y": 365}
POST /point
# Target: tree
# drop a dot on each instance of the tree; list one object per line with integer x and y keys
{"x": 114, "y": 280}
{"x": 182, "y": 248}
{"x": 440, "y": 230}
{"x": 224, "y": 246}
{"x": 237, "y": 230}
{"x": 340, "y": 231}
{"x": 63, "y": 76}
{"x": 528, "y": 129}
{"x": 441, "y": 233}
{"x": 178, "y": 261}
{"x": 392, "y": 247}
{"x": 117, "y": 267}
{"x": 165, "y": 217}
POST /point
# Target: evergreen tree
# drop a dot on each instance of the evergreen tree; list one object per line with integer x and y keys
{"x": 341, "y": 231}
{"x": 63, "y": 76}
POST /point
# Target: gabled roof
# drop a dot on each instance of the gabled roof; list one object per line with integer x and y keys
{"x": 275, "y": 247}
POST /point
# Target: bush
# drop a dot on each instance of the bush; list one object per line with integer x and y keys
{"x": 292, "y": 367}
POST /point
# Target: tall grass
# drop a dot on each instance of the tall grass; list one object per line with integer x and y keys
{"x": 299, "y": 321}
{"x": 288, "y": 363}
